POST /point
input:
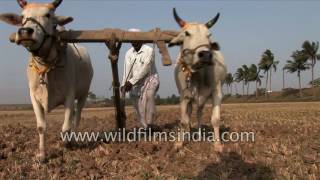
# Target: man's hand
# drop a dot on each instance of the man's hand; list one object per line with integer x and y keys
{"x": 122, "y": 92}
{"x": 127, "y": 86}
{"x": 122, "y": 89}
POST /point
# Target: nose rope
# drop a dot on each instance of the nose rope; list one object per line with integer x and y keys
{"x": 46, "y": 34}
{"x": 37, "y": 23}
{"x": 74, "y": 45}
{"x": 193, "y": 51}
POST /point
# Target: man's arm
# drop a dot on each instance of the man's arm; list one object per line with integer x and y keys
{"x": 148, "y": 60}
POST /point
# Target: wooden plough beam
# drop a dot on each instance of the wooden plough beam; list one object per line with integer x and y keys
{"x": 113, "y": 39}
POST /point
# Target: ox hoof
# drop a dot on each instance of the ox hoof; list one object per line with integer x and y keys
{"x": 67, "y": 142}
{"x": 218, "y": 147}
{"x": 41, "y": 158}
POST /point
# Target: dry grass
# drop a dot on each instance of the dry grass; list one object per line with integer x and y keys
{"x": 287, "y": 147}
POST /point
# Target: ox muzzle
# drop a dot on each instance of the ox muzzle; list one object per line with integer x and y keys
{"x": 204, "y": 56}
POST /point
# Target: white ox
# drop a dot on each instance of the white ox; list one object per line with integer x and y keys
{"x": 199, "y": 72}
{"x": 58, "y": 73}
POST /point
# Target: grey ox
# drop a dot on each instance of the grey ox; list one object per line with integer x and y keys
{"x": 199, "y": 73}
{"x": 58, "y": 73}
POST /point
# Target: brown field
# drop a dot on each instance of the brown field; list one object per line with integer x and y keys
{"x": 287, "y": 146}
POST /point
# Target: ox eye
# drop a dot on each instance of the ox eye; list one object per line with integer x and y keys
{"x": 187, "y": 33}
{"x": 48, "y": 15}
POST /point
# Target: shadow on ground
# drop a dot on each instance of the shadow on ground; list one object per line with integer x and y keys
{"x": 232, "y": 166}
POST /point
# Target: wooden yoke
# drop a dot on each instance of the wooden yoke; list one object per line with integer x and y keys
{"x": 163, "y": 50}
{"x": 95, "y": 36}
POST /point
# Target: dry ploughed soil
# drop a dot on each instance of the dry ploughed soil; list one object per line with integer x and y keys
{"x": 287, "y": 146}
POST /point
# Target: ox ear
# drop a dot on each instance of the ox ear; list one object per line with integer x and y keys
{"x": 11, "y": 18}
{"x": 215, "y": 46}
{"x": 63, "y": 20}
{"x": 177, "y": 40}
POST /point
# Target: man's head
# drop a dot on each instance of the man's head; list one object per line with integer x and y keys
{"x": 137, "y": 46}
{"x": 36, "y": 22}
{"x": 195, "y": 41}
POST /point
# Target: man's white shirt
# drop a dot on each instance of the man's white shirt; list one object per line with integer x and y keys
{"x": 142, "y": 64}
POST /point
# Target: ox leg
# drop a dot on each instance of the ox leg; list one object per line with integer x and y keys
{"x": 186, "y": 110}
{"x": 68, "y": 114}
{"x": 215, "y": 118}
{"x": 41, "y": 127}
{"x": 78, "y": 110}
{"x": 201, "y": 104}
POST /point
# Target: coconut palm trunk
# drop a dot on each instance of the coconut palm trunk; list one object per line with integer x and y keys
{"x": 256, "y": 89}
{"x": 312, "y": 79}
{"x": 267, "y": 83}
{"x": 243, "y": 88}
{"x": 270, "y": 80}
{"x": 300, "y": 90}
{"x": 283, "y": 79}
{"x": 248, "y": 85}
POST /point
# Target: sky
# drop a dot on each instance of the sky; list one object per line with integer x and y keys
{"x": 244, "y": 31}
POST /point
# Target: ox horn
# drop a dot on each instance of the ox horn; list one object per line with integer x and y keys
{"x": 22, "y": 3}
{"x": 56, "y": 3}
{"x": 213, "y": 21}
{"x": 178, "y": 19}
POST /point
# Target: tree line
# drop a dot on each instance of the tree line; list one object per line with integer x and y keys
{"x": 169, "y": 100}
{"x": 301, "y": 60}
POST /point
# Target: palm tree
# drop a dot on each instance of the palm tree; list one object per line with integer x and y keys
{"x": 255, "y": 76}
{"x": 229, "y": 81}
{"x": 239, "y": 76}
{"x": 267, "y": 63}
{"x": 309, "y": 51}
{"x": 264, "y": 65}
{"x": 297, "y": 65}
{"x": 246, "y": 79}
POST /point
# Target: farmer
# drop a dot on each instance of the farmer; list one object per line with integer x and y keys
{"x": 140, "y": 78}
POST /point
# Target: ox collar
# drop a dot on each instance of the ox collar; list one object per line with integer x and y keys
{"x": 187, "y": 72}
{"x": 42, "y": 66}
